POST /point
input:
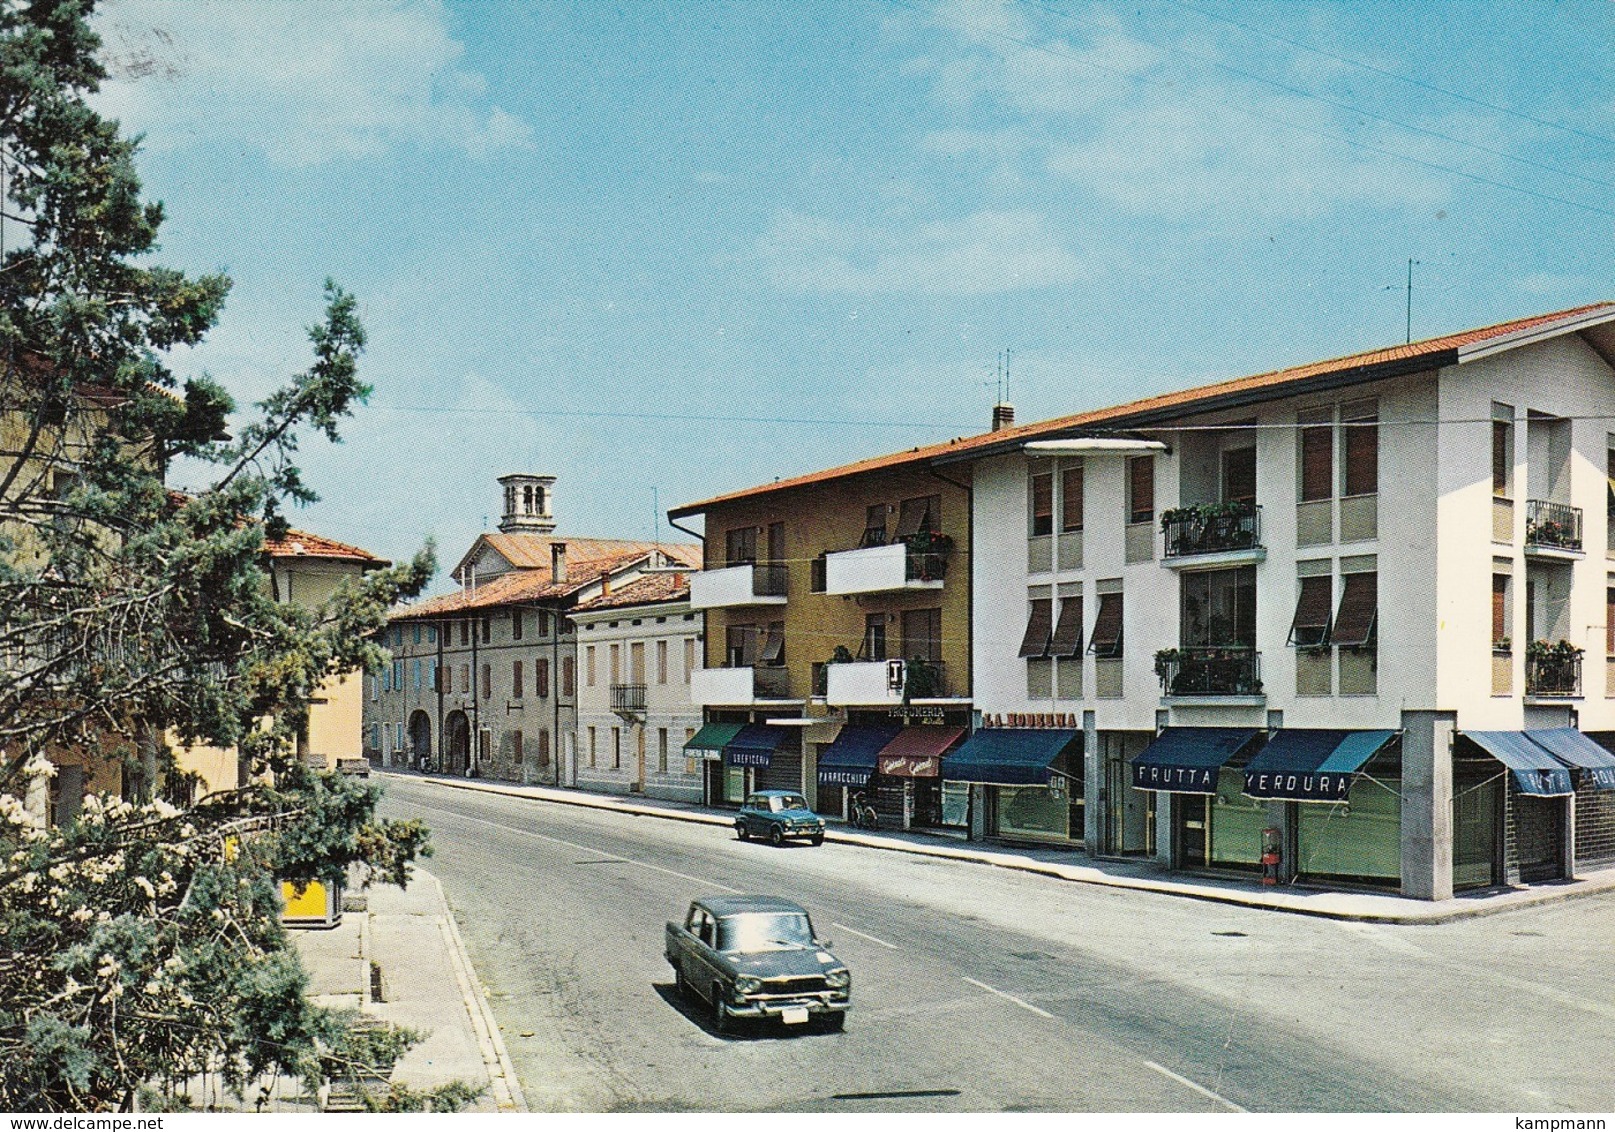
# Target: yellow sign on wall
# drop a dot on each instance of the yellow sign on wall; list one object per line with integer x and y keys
{"x": 312, "y": 905}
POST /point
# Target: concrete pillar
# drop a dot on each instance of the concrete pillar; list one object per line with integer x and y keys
{"x": 1093, "y": 785}
{"x": 1164, "y": 802}
{"x": 1427, "y": 804}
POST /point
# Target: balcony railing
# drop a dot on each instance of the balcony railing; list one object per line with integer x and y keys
{"x": 927, "y": 559}
{"x": 1224, "y": 670}
{"x": 743, "y": 584}
{"x": 1553, "y": 673}
{"x": 1555, "y": 526}
{"x": 628, "y": 699}
{"x": 1212, "y": 529}
{"x": 879, "y": 683}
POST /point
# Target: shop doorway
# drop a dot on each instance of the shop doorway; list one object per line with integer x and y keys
{"x": 1476, "y": 833}
{"x": 1190, "y": 828}
{"x": 456, "y": 743}
{"x": 1129, "y": 817}
{"x": 420, "y": 741}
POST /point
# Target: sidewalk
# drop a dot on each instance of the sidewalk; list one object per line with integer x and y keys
{"x": 405, "y": 944}
{"x": 1075, "y": 865}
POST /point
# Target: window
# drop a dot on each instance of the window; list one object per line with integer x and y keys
{"x": 1609, "y": 621}
{"x": 516, "y": 684}
{"x": 1239, "y": 475}
{"x": 516, "y": 624}
{"x": 1106, "y": 640}
{"x": 465, "y": 679}
{"x": 543, "y": 748}
{"x": 922, "y": 635}
{"x": 636, "y": 662}
{"x": 1218, "y": 608}
{"x": 874, "y": 646}
{"x": 1039, "y": 627}
{"x": 569, "y": 673}
{"x": 1355, "y": 623}
{"x": 818, "y": 573}
{"x": 616, "y": 748}
{"x": 588, "y": 666}
{"x": 1042, "y": 498}
{"x": 922, "y": 514}
{"x": 1317, "y": 462}
{"x": 614, "y": 652}
{"x": 874, "y": 526}
{"x": 516, "y": 747}
{"x": 1311, "y": 623}
{"x": 594, "y": 752}
{"x": 1360, "y": 423}
{"x": 541, "y": 677}
{"x": 417, "y": 631}
{"x": 661, "y": 662}
{"x": 1141, "y": 489}
{"x": 415, "y": 676}
{"x": 689, "y": 658}
{"x": 661, "y": 750}
{"x": 487, "y": 681}
{"x": 740, "y": 546}
{"x": 465, "y": 632}
{"x": 740, "y": 646}
{"x": 1067, "y": 640}
{"x": 487, "y": 630}
{"x": 774, "y": 645}
{"x": 431, "y": 634}
{"x": 1502, "y": 456}
{"x": 543, "y": 623}
{"x": 1071, "y": 498}
{"x": 1500, "y": 585}
{"x": 375, "y": 688}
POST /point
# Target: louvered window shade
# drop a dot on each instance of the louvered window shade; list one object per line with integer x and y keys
{"x": 1362, "y": 456}
{"x": 1071, "y": 499}
{"x": 1039, "y": 624}
{"x": 1068, "y": 633}
{"x": 1141, "y": 484}
{"x": 1359, "y": 601}
{"x": 1042, "y": 504}
{"x": 1107, "y": 627}
{"x": 774, "y": 644}
{"x": 1317, "y": 444}
{"x": 1311, "y": 624}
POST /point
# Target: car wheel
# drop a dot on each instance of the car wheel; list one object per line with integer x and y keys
{"x": 742, "y": 832}
{"x": 817, "y": 839}
{"x": 776, "y": 835}
{"x": 721, "y": 1018}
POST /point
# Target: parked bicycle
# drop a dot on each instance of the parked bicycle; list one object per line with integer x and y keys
{"x": 863, "y": 814}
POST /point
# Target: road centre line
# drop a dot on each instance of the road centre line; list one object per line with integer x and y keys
{"x": 1201, "y": 1089}
{"x": 864, "y": 935}
{"x": 583, "y": 848}
{"x": 1024, "y": 1005}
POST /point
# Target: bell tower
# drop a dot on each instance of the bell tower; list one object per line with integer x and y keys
{"x": 527, "y": 504}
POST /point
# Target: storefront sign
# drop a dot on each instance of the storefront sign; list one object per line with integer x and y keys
{"x": 1313, "y": 786}
{"x": 842, "y": 776}
{"x": 1062, "y": 720}
{"x": 910, "y": 766}
{"x": 1179, "y": 779}
{"x": 930, "y": 713}
{"x": 747, "y": 756}
{"x": 1603, "y": 777}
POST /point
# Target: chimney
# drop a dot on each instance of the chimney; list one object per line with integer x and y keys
{"x": 1003, "y": 415}
{"x": 557, "y": 561}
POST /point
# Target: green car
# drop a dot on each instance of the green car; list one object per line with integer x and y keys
{"x": 778, "y": 815}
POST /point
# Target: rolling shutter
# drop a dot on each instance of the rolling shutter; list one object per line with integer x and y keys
{"x": 1359, "y": 602}
{"x": 1068, "y": 633}
{"x": 1039, "y": 624}
{"x": 1311, "y": 624}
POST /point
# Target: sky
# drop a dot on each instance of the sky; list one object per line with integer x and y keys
{"x": 666, "y": 250}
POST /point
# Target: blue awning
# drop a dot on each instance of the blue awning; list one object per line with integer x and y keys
{"x": 754, "y": 745}
{"x": 850, "y": 760}
{"x": 1575, "y": 749}
{"x": 1304, "y": 765}
{"x": 1185, "y": 760}
{"x": 1535, "y": 770}
{"x": 1007, "y": 756}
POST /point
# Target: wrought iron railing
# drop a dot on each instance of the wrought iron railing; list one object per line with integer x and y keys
{"x": 1211, "y": 529}
{"x": 1223, "y": 670}
{"x": 1555, "y": 525}
{"x": 927, "y": 559}
{"x": 1553, "y": 674}
{"x": 628, "y": 697}
{"x": 768, "y": 579}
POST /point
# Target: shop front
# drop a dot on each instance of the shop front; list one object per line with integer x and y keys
{"x": 761, "y": 757}
{"x": 913, "y": 758}
{"x": 1213, "y": 823}
{"x": 707, "y": 745}
{"x": 1032, "y": 781}
{"x": 847, "y": 765}
{"x": 1593, "y": 776}
{"x": 1537, "y": 797}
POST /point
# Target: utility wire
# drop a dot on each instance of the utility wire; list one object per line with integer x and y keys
{"x": 708, "y": 418}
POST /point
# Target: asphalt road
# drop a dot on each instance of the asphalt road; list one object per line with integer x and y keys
{"x": 979, "y": 989}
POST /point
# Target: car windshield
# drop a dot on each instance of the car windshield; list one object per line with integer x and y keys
{"x": 782, "y": 802}
{"x": 765, "y": 931}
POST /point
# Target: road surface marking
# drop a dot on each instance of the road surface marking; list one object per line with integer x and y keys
{"x": 864, "y": 935}
{"x": 1024, "y": 1005}
{"x": 1201, "y": 1089}
{"x": 583, "y": 848}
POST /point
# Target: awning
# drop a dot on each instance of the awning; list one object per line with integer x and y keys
{"x": 1304, "y": 765}
{"x": 917, "y": 751}
{"x": 1570, "y": 746}
{"x": 712, "y": 739}
{"x": 1185, "y": 760}
{"x": 1535, "y": 770}
{"x": 754, "y": 745}
{"x": 1007, "y": 756}
{"x": 850, "y": 760}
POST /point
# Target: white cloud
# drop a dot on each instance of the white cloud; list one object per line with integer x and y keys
{"x": 983, "y": 253}
{"x": 305, "y": 83}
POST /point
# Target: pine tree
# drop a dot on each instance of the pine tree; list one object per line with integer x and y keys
{"x": 140, "y": 943}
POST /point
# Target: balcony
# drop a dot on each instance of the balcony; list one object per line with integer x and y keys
{"x": 1552, "y": 671}
{"x": 734, "y": 587}
{"x": 1552, "y": 530}
{"x": 919, "y": 562}
{"x": 1213, "y": 534}
{"x": 881, "y": 683}
{"x": 1217, "y": 671}
{"x": 737, "y": 687}
{"x": 628, "y": 699}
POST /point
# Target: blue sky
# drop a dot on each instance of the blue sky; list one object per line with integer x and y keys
{"x": 687, "y": 247}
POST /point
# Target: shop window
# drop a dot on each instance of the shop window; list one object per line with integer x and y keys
{"x": 1071, "y": 498}
{"x": 1141, "y": 489}
{"x": 1039, "y": 627}
{"x": 1310, "y": 627}
{"x": 1067, "y": 639}
{"x": 1106, "y": 640}
{"x": 1042, "y": 503}
{"x": 1356, "y": 620}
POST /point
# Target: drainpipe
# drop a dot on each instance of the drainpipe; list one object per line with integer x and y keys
{"x": 557, "y": 746}
{"x": 476, "y": 703}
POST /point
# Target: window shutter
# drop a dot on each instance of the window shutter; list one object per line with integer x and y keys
{"x": 1359, "y": 601}
{"x": 774, "y": 645}
{"x": 1500, "y": 607}
{"x": 1043, "y": 504}
{"x": 1362, "y": 457}
{"x": 1500, "y": 460}
{"x": 1039, "y": 624}
{"x": 1071, "y": 499}
{"x": 1141, "y": 478}
{"x": 1311, "y": 624}
{"x": 1068, "y": 633}
{"x": 1317, "y": 443}
{"x": 1107, "y": 627}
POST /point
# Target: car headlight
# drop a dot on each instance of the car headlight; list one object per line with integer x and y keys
{"x": 838, "y": 978}
{"x": 748, "y": 984}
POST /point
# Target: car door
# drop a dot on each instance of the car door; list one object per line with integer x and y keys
{"x": 703, "y": 931}
{"x": 749, "y": 813}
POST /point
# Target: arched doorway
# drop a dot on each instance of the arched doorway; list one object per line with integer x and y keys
{"x": 420, "y": 740}
{"x": 456, "y": 743}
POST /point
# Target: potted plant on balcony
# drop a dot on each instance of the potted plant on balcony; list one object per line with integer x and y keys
{"x": 1553, "y": 667}
{"x": 1166, "y": 663}
{"x": 922, "y": 680}
{"x": 1546, "y": 532}
{"x": 1503, "y": 646}
{"x": 927, "y": 551}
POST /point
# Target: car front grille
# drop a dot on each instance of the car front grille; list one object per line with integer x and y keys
{"x": 795, "y": 984}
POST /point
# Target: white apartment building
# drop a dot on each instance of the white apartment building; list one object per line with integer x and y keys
{"x": 638, "y": 647}
{"x": 1356, "y": 617}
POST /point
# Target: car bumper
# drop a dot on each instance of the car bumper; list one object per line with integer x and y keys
{"x": 828, "y": 1002}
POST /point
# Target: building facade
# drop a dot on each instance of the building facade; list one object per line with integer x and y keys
{"x": 639, "y": 648}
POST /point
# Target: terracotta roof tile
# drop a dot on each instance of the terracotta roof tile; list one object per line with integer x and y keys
{"x": 1118, "y": 415}
{"x": 648, "y": 589}
{"x": 302, "y": 544}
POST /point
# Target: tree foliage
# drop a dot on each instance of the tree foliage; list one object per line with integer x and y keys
{"x": 140, "y": 943}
